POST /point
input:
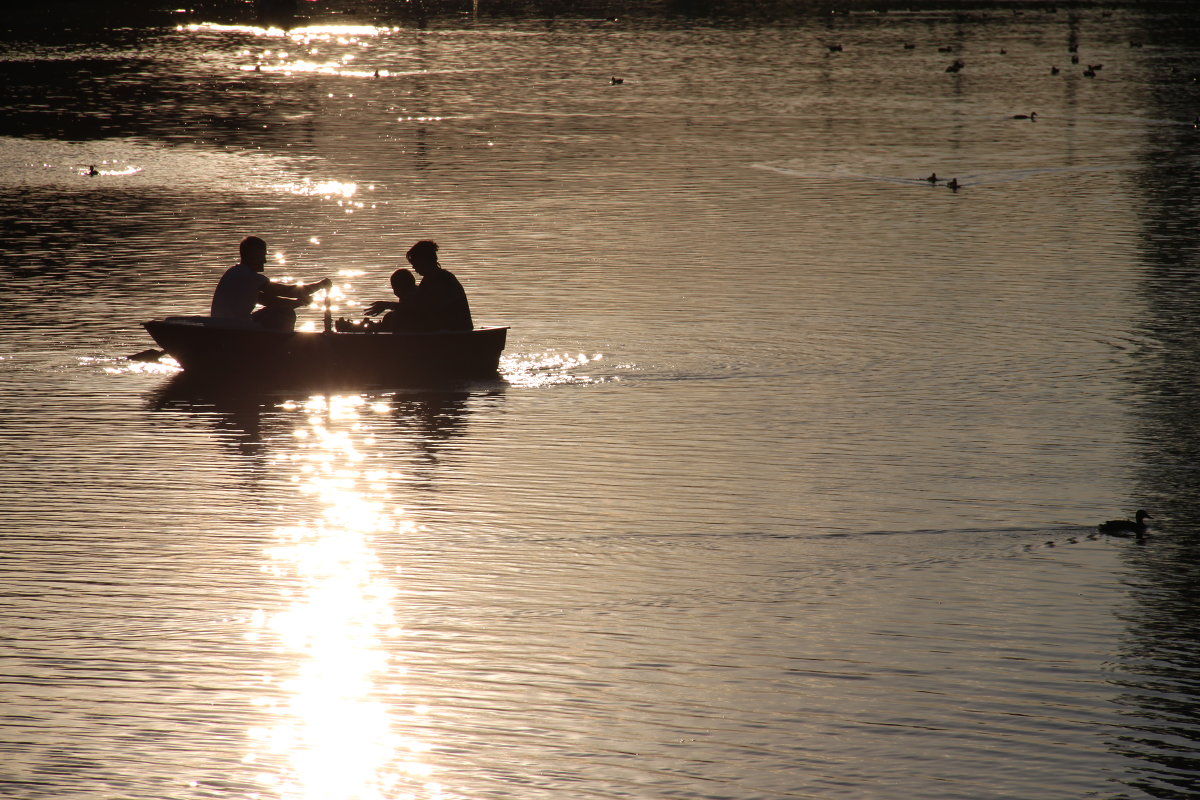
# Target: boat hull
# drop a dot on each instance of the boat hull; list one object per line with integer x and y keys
{"x": 249, "y": 354}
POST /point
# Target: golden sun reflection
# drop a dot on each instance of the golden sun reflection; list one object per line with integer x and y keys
{"x": 313, "y": 40}
{"x": 330, "y": 734}
{"x": 548, "y": 369}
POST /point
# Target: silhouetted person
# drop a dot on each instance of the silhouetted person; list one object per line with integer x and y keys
{"x": 243, "y": 286}
{"x": 402, "y": 317}
{"x": 441, "y": 303}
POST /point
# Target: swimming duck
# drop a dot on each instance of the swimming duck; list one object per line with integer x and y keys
{"x": 933, "y": 178}
{"x": 1032, "y": 116}
{"x": 1124, "y": 527}
{"x": 1054, "y": 70}
{"x": 617, "y": 81}
{"x": 92, "y": 171}
{"x": 953, "y": 184}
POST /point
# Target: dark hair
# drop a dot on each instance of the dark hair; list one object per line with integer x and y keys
{"x": 252, "y": 245}
{"x": 403, "y": 282}
{"x": 424, "y": 248}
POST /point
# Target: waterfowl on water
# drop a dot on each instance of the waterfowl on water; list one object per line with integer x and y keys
{"x": 1054, "y": 70}
{"x": 1125, "y": 527}
{"x": 933, "y": 178}
{"x": 616, "y": 81}
{"x": 93, "y": 171}
{"x": 953, "y": 184}
{"x": 1032, "y": 115}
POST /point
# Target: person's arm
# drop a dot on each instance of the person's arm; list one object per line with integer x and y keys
{"x": 269, "y": 299}
{"x": 298, "y": 292}
{"x": 380, "y": 306}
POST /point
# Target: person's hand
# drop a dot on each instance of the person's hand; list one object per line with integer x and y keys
{"x": 378, "y": 307}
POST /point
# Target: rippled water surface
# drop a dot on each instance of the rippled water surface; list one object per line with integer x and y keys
{"x": 790, "y": 485}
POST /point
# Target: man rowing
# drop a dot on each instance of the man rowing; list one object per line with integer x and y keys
{"x": 244, "y": 285}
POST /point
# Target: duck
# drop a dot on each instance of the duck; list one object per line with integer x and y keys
{"x": 933, "y": 178}
{"x": 834, "y": 48}
{"x": 92, "y": 171}
{"x": 1054, "y": 70}
{"x": 1123, "y": 527}
{"x": 1089, "y": 73}
{"x": 1031, "y": 116}
{"x": 616, "y": 81}
{"x": 953, "y": 184}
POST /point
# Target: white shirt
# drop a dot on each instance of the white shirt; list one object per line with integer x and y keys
{"x": 237, "y": 293}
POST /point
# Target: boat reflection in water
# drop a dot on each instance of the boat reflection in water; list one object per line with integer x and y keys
{"x": 334, "y": 718}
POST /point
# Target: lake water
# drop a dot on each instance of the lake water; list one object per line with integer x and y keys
{"x": 790, "y": 486}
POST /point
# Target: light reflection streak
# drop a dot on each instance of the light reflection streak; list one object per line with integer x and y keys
{"x": 329, "y": 735}
{"x": 309, "y": 33}
{"x": 547, "y": 369}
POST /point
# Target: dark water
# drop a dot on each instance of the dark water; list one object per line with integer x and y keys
{"x": 789, "y": 487}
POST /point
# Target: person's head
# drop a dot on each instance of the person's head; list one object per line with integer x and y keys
{"x": 403, "y": 283}
{"x": 423, "y": 256}
{"x": 254, "y": 252}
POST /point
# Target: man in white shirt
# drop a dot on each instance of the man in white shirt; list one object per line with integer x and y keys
{"x": 244, "y": 286}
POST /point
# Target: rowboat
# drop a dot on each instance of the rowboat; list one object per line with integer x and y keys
{"x": 206, "y": 347}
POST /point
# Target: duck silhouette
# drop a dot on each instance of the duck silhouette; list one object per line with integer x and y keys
{"x": 1031, "y": 116}
{"x": 953, "y": 184}
{"x": 933, "y": 178}
{"x": 1054, "y": 70}
{"x": 1124, "y": 527}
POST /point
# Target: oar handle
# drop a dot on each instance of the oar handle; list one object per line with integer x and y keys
{"x": 328, "y": 310}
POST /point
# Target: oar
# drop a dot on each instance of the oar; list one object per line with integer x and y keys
{"x": 328, "y": 311}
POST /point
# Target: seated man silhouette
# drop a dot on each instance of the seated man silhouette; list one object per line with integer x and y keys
{"x": 440, "y": 301}
{"x": 243, "y": 286}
